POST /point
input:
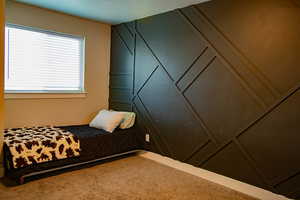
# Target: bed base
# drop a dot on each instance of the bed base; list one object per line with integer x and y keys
{"x": 21, "y": 179}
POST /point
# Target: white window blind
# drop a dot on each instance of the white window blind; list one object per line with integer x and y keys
{"x": 42, "y": 61}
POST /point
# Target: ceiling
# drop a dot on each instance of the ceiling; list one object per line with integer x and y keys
{"x": 112, "y": 11}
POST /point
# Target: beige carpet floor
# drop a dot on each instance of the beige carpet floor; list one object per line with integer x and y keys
{"x": 132, "y": 178}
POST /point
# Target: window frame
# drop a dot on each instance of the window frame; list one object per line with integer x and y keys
{"x": 82, "y": 89}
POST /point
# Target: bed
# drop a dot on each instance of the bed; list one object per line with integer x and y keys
{"x": 95, "y": 145}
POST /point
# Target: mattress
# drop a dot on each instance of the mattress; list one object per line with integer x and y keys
{"x": 99, "y": 143}
{"x": 94, "y": 144}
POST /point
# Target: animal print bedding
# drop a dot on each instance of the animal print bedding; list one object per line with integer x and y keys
{"x": 31, "y": 145}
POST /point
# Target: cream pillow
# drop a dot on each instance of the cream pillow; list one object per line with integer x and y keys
{"x": 128, "y": 120}
{"x": 107, "y": 120}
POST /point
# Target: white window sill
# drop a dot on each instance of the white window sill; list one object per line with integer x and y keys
{"x": 44, "y": 95}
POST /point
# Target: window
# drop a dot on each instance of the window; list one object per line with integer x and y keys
{"x": 40, "y": 61}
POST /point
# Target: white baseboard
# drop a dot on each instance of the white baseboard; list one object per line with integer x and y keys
{"x": 213, "y": 177}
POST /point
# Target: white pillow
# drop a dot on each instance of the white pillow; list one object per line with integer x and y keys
{"x": 107, "y": 120}
{"x": 128, "y": 120}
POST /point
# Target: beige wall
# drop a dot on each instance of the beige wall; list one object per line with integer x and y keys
{"x": 1, "y": 79}
{"x": 25, "y": 112}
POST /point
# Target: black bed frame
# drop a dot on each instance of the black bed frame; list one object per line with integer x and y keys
{"x": 119, "y": 144}
{"x": 21, "y": 179}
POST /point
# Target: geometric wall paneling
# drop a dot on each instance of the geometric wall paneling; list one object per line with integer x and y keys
{"x": 278, "y": 159}
{"x": 123, "y": 64}
{"x": 170, "y": 36}
{"x": 202, "y": 155}
{"x": 120, "y": 106}
{"x": 221, "y": 102}
{"x": 230, "y": 162}
{"x": 131, "y": 27}
{"x": 126, "y": 36}
{"x": 203, "y": 61}
{"x": 145, "y": 63}
{"x": 121, "y": 95}
{"x": 121, "y": 71}
{"x": 121, "y": 81}
{"x": 139, "y": 123}
{"x": 270, "y": 35}
{"x": 260, "y": 87}
{"x": 155, "y": 136}
{"x": 214, "y": 89}
{"x": 291, "y": 187}
{"x": 155, "y": 146}
{"x": 171, "y": 115}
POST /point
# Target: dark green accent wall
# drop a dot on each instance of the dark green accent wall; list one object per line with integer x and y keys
{"x": 216, "y": 85}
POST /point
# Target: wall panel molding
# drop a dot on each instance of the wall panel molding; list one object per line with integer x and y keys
{"x": 246, "y": 61}
{"x": 225, "y": 51}
{"x": 203, "y": 100}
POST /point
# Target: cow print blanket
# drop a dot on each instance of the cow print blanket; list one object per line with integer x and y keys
{"x": 40, "y": 144}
